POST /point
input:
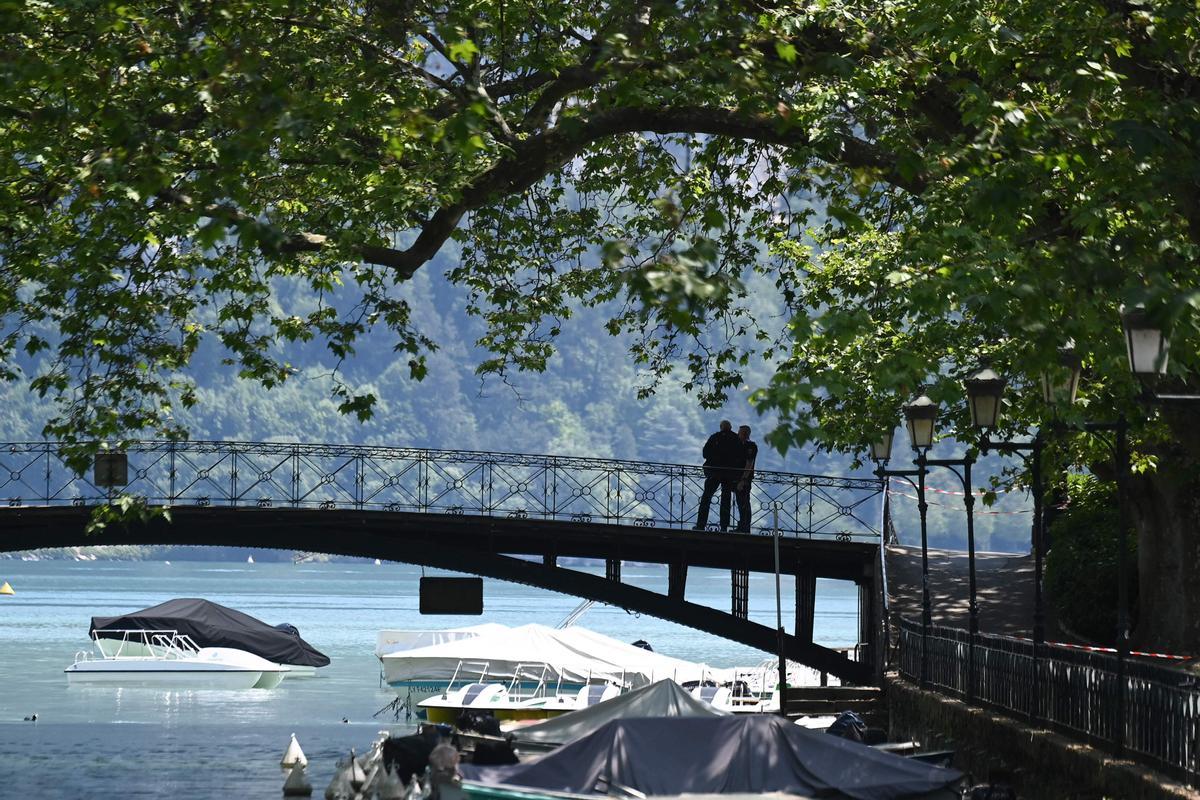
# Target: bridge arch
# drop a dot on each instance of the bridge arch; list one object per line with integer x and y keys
{"x": 829, "y": 538}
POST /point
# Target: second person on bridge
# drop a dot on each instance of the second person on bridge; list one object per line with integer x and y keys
{"x": 724, "y": 460}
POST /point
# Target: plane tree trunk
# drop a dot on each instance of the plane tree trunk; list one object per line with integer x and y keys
{"x": 1164, "y": 508}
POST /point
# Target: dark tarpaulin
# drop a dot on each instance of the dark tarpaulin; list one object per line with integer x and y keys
{"x": 213, "y": 625}
{"x": 666, "y": 698}
{"x": 722, "y": 755}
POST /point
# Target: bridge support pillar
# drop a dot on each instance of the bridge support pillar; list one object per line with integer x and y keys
{"x": 806, "y": 604}
{"x": 676, "y": 579}
{"x": 868, "y": 621}
{"x": 612, "y": 569}
{"x": 550, "y": 560}
{"x": 741, "y": 593}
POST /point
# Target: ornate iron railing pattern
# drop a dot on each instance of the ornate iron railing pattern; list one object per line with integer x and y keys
{"x": 364, "y": 477}
{"x": 1077, "y": 692}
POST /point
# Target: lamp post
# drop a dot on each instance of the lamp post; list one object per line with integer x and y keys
{"x": 881, "y": 453}
{"x": 985, "y": 396}
{"x": 920, "y": 416}
{"x": 984, "y": 411}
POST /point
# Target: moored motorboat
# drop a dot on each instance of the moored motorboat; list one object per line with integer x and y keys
{"x": 171, "y": 659}
{"x": 577, "y": 657}
{"x": 211, "y": 625}
{"x": 526, "y": 696}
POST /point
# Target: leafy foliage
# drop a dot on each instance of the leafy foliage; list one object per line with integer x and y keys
{"x": 1081, "y": 567}
{"x": 994, "y": 178}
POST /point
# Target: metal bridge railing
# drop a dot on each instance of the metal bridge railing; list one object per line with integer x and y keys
{"x": 363, "y": 477}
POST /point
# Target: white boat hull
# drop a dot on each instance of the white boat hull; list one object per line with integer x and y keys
{"x": 174, "y": 661}
{"x": 152, "y": 674}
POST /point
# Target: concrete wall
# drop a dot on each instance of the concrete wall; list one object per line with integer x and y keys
{"x": 1041, "y": 765}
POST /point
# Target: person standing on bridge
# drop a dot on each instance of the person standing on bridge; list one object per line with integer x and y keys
{"x": 724, "y": 458}
{"x": 747, "y": 475}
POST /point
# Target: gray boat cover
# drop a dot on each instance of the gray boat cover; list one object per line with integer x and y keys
{"x": 214, "y": 625}
{"x": 666, "y": 698}
{"x": 722, "y": 755}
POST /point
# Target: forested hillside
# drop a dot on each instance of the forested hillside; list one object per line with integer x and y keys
{"x": 585, "y": 403}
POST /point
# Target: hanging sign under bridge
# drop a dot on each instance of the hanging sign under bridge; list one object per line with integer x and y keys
{"x": 451, "y": 595}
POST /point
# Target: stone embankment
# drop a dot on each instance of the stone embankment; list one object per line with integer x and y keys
{"x": 1041, "y": 764}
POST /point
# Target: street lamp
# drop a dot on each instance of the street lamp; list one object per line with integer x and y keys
{"x": 985, "y": 392}
{"x": 1145, "y": 344}
{"x": 1060, "y": 383}
{"x": 921, "y": 415}
{"x": 881, "y": 453}
{"x": 881, "y": 448}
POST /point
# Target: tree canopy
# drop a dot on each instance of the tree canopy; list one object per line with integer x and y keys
{"x": 926, "y": 182}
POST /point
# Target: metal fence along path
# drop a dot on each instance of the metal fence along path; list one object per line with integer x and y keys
{"x": 370, "y": 478}
{"x": 1072, "y": 691}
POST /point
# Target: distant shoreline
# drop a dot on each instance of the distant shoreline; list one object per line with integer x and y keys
{"x": 151, "y": 553}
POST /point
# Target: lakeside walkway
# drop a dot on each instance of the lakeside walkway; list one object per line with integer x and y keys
{"x": 1004, "y": 588}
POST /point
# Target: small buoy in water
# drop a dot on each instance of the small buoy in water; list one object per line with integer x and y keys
{"x": 378, "y": 562}
{"x": 293, "y": 755}
{"x": 345, "y": 719}
{"x": 7, "y": 588}
{"x": 168, "y": 563}
{"x": 31, "y": 718}
{"x": 249, "y": 559}
{"x": 297, "y": 783}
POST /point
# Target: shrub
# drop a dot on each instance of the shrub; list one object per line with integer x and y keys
{"x": 1081, "y": 567}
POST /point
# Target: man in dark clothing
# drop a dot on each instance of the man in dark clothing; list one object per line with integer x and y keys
{"x": 724, "y": 458}
{"x": 744, "y": 479}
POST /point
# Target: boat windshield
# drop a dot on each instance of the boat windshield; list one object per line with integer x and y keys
{"x": 140, "y": 643}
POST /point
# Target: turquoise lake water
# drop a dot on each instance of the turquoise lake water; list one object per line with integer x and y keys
{"x": 193, "y": 745}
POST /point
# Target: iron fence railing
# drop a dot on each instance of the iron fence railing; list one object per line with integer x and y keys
{"x": 269, "y": 474}
{"x": 1072, "y": 691}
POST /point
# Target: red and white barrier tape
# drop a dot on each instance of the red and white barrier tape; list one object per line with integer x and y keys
{"x": 1093, "y": 649}
{"x": 956, "y": 507}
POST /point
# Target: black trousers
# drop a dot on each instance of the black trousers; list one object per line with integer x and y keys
{"x": 743, "y": 504}
{"x": 726, "y": 481}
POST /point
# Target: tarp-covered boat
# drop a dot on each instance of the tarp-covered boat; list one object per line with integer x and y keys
{"x": 210, "y": 624}
{"x": 723, "y": 755}
{"x": 666, "y": 698}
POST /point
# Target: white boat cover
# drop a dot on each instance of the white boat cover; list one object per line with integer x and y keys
{"x": 576, "y": 654}
{"x": 723, "y": 755}
{"x": 664, "y": 698}
{"x": 393, "y": 641}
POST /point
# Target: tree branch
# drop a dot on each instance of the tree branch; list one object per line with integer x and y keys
{"x": 533, "y": 159}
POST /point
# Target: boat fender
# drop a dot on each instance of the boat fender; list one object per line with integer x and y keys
{"x": 355, "y": 772}
{"x": 293, "y": 755}
{"x": 413, "y": 791}
{"x": 388, "y": 786}
{"x": 368, "y": 787}
{"x": 297, "y": 783}
{"x": 339, "y": 788}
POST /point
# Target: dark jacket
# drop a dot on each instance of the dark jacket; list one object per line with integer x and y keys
{"x": 724, "y": 450}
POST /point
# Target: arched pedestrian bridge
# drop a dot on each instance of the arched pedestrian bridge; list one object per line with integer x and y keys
{"x": 482, "y": 513}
